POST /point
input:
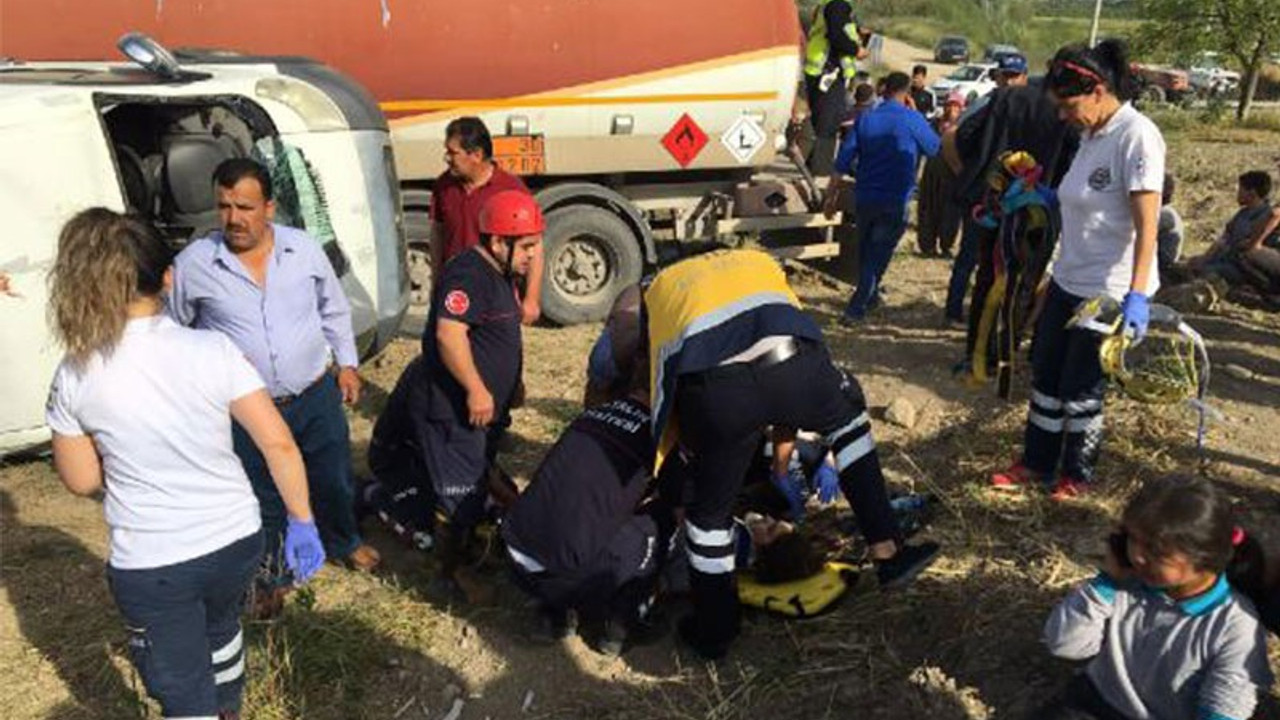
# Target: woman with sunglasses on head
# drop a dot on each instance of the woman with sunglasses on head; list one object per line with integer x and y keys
{"x": 141, "y": 408}
{"x": 1110, "y": 201}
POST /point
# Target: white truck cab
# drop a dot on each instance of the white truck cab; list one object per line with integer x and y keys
{"x": 145, "y": 137}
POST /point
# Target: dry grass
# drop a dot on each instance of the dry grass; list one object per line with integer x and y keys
{"x": 961, "y": 643}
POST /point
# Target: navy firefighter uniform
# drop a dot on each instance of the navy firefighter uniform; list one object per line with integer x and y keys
{"x": 732, "y": 353}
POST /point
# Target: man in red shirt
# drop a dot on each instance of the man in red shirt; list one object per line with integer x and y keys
{"x": 460, "y": 192}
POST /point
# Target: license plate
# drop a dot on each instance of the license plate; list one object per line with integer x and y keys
{"x": 521, "y": 155}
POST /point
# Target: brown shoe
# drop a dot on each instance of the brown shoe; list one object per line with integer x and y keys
{"x": 267, "y": 603}
{"x": 364, "y": 558}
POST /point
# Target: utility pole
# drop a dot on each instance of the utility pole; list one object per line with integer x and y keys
{"x": 1097, "y": 16}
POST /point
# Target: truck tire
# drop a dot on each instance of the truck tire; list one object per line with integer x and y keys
{"x": 591, "y": 254}
{"x": 417, "y": 230}
{"x": 1153, "y": 94}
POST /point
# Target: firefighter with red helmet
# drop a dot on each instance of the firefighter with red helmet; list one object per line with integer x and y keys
{"x": 435, "y": 436}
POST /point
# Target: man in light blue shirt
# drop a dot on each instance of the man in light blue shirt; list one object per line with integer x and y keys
{"x": 886, "y": 145}
{"x": 271, "y": 289}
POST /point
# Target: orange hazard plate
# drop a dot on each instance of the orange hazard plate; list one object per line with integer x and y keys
{"x": 521, "y": 154}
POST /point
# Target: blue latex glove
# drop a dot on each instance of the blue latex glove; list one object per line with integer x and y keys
{"x": 1137, "y": 314}
{"x": 827, "y": 480}
{"x": 303, "y": 552}
{"x": 792, "y": 487}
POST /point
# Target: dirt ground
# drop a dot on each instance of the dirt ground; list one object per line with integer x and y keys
{"x": 961, "y": 643}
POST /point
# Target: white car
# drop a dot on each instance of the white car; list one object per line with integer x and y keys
{"x": 972, "y": 81}
{"x": 1206, "y": 75}
{"x": 145, "y": 137}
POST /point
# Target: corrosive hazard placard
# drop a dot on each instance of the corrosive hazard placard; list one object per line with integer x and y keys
{"x": 684, "y": 140}
{"x": 743, "y": 138}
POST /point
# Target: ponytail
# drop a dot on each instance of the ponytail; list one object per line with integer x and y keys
{"x": 1077, "y": 69}
{"x": 105, "y": 261}
{"x": 1112, "y": 56}
{"x": 1247, "y": 569}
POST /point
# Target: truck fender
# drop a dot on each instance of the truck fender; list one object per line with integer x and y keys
{"x": 585, "y": 193}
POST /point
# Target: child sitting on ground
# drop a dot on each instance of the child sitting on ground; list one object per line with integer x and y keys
{"x": 1169, "y": 625}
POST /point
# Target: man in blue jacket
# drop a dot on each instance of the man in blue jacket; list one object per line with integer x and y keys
{"x": 886, "y": 145}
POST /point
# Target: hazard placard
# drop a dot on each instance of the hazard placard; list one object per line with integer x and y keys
{"x": 684, "y": 140}
{"x": 743, "y": 138}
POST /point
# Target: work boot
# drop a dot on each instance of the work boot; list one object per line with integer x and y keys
{"x": 687, "y": 632}
{"x": 364, "y": 558}
{"x": 266, "y": 601}
{"x": 910, "y": 560}
{"x": 554, "y": 625}
{"x": 620, "y": 635}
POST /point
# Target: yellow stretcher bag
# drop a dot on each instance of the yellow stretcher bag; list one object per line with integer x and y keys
{"x": 799, "y": 598}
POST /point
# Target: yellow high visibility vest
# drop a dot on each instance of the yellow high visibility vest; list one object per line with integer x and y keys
{"x": 817, "y": 48}
{"x": 689, "y": 307}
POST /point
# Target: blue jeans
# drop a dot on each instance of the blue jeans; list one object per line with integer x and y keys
{"x": 184, "y": 627}
{"x": 880, "y": 228}
{"x": 966, "y": 261}
{"x": 320, "y": 428}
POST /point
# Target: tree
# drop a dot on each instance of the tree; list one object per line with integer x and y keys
{"x": 1248, "y": 30}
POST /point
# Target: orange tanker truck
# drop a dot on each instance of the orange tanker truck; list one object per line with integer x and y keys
{"x": 635, "y": 123}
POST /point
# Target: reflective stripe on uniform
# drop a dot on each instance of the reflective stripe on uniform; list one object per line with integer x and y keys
{"x": 228, "y": 651}
{"x": 1084, "y": 424}
{"x": 1048, "y": 403}
{"x": 525, "y": 561}
{"x": 235, "y": 672}
{"x": 1048, "y": 424}
{"x": 709, "y": 551}
{"x": 1083, "y": 407}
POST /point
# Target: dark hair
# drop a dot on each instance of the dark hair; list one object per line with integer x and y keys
{"x": 790, "y": 557}
{"x": 896, "y": 83}
{"x": 1190, "y": 515}
{"x": 919, "y": 70}
{"x": 472, "y": 135}
{"x": 1258, "y": 181}
{"x": 1077, "y": 69}
{"x": 863, "y": 94}
{"x": 233, "y": 170}
{"x": 105, "y": 261}
{"x": 1170, "y": 186}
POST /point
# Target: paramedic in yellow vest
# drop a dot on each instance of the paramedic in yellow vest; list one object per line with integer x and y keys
{"x": 731, "y": 353}
{"x": 831, "y": 53}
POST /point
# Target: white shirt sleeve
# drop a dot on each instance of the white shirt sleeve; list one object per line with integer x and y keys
{"x": 60, "y": 409}
{"x": 241, "y": 377}
{"x": 1142, "y": 158}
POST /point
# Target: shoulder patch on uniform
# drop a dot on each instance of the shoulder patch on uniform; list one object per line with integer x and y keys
{"x": 457, "y": 302}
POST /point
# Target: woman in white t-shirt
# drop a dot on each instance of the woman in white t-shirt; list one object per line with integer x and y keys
{"x": 1110, "y": 201}
{"x": 142, "y": 407}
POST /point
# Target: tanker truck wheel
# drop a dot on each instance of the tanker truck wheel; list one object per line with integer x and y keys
{"x": 590, "y": 255}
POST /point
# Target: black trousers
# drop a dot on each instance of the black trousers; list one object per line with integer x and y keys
{"x": 722, "y": 414}
{"x": 1064, "y": 422}
{"x": 826, "y": 111}
{"x": 615, "y": 583}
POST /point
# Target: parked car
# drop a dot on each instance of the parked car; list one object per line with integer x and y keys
{"x": 951, "y": 49}
{"x": 972, "y": 81}
{"x": 993, "y": 53}
{"x": 1207, "y": 76}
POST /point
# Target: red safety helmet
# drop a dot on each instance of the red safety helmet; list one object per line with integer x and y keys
{"x": 511, "y": 213}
